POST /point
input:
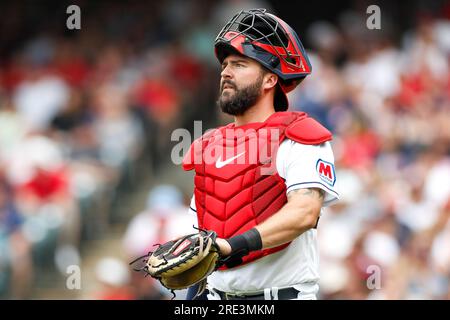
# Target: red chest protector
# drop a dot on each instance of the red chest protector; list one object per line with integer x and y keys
{"x": 236, "y": 182}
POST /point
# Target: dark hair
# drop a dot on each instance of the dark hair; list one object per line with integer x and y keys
{"x": 279, "y": 96}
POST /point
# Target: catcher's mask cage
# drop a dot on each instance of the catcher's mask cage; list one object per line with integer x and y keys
{"x": 272, "y": 42}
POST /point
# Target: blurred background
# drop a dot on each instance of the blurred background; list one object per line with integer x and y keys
{"x": 86, "y": 117}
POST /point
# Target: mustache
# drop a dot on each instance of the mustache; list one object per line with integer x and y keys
{"x": 227, "y": 82}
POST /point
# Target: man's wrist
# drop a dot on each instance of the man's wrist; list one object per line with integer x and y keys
{"x": 246, "y": 242}
{"x": 237, "y": 247}
{"x": 224, "y": 246}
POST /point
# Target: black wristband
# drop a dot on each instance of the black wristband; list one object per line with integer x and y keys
{"x": 246, "y": 242}
{"x": 241, "y": 245}
{"x": 253, "y": 239}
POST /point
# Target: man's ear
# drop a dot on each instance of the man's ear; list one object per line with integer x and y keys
{"x": 270, "y": 80}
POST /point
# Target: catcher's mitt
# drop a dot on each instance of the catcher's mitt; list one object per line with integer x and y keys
{"x": 183, "y": 262}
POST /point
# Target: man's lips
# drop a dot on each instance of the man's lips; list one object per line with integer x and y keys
{"x": 227, "y": 86}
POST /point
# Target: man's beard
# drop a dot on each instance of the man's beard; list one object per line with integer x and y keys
{"x": 241, "y": 100}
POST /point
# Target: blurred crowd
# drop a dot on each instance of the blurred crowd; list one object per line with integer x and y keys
{"x": 386, "y": 97}
{"x": 84, "y": 118}
{"x": 86, "y": 115}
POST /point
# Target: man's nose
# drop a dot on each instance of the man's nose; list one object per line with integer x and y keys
{"x": 226, "y": 73}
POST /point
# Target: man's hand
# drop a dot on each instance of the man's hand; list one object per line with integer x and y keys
{"x": 224, "y": 246}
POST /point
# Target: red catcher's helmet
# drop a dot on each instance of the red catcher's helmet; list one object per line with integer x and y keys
{"x": 272, "y": 42}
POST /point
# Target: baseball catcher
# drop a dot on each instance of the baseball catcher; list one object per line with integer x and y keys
{"x": 260, "y": 182}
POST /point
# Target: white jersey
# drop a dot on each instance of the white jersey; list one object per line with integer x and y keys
{"x": 301, "y": 166}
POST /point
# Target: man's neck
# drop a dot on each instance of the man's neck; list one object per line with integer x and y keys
{"x": 254, "y": 114}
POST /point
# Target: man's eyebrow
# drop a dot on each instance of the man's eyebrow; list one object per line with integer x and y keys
{"x": 234, "y": 61}
{"x": 238, "y": 61}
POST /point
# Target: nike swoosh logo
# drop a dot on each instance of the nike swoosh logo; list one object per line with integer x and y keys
{"x": 220, "y": 163}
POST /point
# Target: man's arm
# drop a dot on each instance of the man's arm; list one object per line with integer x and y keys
{"x": 298, "y": 215}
